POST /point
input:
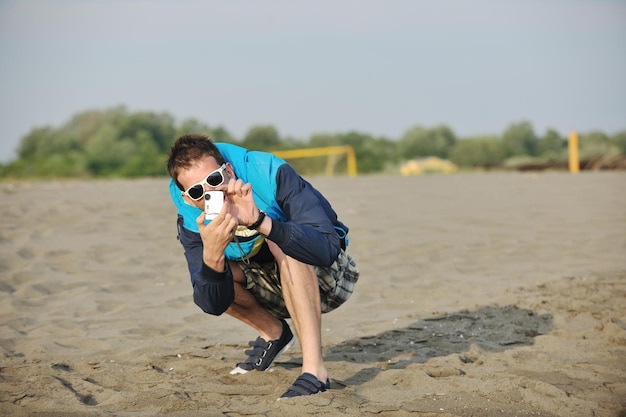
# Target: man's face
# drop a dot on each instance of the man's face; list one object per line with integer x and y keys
{"x": 198, "y": 172}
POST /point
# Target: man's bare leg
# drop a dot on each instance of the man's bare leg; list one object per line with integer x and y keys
{"x": 247, "y": 309}
{"x": 302, "y": 298}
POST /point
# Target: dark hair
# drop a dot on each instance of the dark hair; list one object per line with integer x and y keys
{"x": 188, "y": 149}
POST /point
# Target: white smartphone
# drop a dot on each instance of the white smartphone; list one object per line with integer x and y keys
{"x": 213, "y": 202}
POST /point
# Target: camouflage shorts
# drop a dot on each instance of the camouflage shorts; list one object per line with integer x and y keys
{"x": 336, "y": 284}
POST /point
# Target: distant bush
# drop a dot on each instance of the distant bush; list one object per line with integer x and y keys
{"x": 117, "y": 143}
{"x": 487, "y": 152}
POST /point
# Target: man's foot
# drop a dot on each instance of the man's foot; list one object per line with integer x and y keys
{"x": 306, "y": 384}
{"x": 263, "y": 353}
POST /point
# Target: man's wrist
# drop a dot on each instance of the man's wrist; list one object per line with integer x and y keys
{"x": 258, "y": 221}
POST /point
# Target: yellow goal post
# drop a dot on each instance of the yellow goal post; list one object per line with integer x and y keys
{"x": 330, "y": 151}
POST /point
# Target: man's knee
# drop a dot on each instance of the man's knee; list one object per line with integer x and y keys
{"x": 286, "y": 261}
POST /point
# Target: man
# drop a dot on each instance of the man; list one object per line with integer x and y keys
{"x": 275, "y": 251}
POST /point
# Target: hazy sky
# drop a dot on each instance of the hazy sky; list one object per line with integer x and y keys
{"x": 375, "y": 66}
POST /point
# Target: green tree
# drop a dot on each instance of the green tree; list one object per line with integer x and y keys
{"x": 486, "y": 152}
{"x": 218, "y": 134}
{"x": 595, "y": 144}
{"x": 520, "y": 139}
{"x": 34, "y": 143}
{"x": 107, "y": 152}
{"x": 420, "y": 142}
{"x": 552, "y": 144}
{"x": 160, "y": 127}
{"x": 618, "y": 140}
{"x": 372, "y": 154}
{"x": 83, "y": 126}
{"x": 147, "y": 160}
{"x": 262, "y": 138}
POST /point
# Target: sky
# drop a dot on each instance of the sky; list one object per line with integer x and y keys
{"x": 378, "y": 67}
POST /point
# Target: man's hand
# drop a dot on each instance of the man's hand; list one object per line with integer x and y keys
{"x": 216, "y": 236}
{"x": 243, "y": 206}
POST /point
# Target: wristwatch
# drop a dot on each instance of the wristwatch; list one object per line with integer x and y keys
{"x": 258, "y": 221}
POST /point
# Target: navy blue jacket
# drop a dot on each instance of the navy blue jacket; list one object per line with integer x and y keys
{"x": 309, "y": 232}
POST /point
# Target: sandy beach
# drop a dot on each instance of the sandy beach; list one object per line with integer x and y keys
{"x": 495, "y": 294}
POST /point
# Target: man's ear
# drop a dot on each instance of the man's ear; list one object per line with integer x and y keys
{"x": 231, "y": 170}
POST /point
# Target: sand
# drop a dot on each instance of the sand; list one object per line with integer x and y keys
{"x": 480, "y": 295}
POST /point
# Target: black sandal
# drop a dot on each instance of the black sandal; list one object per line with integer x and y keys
{"x": 264, "y": 353}
{"x": 306, "y": 384}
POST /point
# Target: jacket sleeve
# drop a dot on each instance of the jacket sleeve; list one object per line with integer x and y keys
{"x": 308, "y": 234}
{"x": 213, "y": 291}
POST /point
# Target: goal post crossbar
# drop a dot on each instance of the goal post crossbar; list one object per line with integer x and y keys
{"x": 323, "y": 151}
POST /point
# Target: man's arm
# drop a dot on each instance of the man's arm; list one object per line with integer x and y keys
{"x": 213, "y": 291}
{"x": 308, "y": 235}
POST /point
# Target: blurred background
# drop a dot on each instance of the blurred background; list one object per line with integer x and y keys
{"x": 101, "y": 89}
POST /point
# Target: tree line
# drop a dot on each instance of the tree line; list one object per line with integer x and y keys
{"x": 117, "y": 143}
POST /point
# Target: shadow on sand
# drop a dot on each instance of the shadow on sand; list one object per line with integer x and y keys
{"x": 491, "y": 328}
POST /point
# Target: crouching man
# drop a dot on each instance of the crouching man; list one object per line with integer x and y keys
{"x": 276, "y": 250}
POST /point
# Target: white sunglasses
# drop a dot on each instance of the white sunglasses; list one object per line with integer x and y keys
{"x": 214, "y": 179}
